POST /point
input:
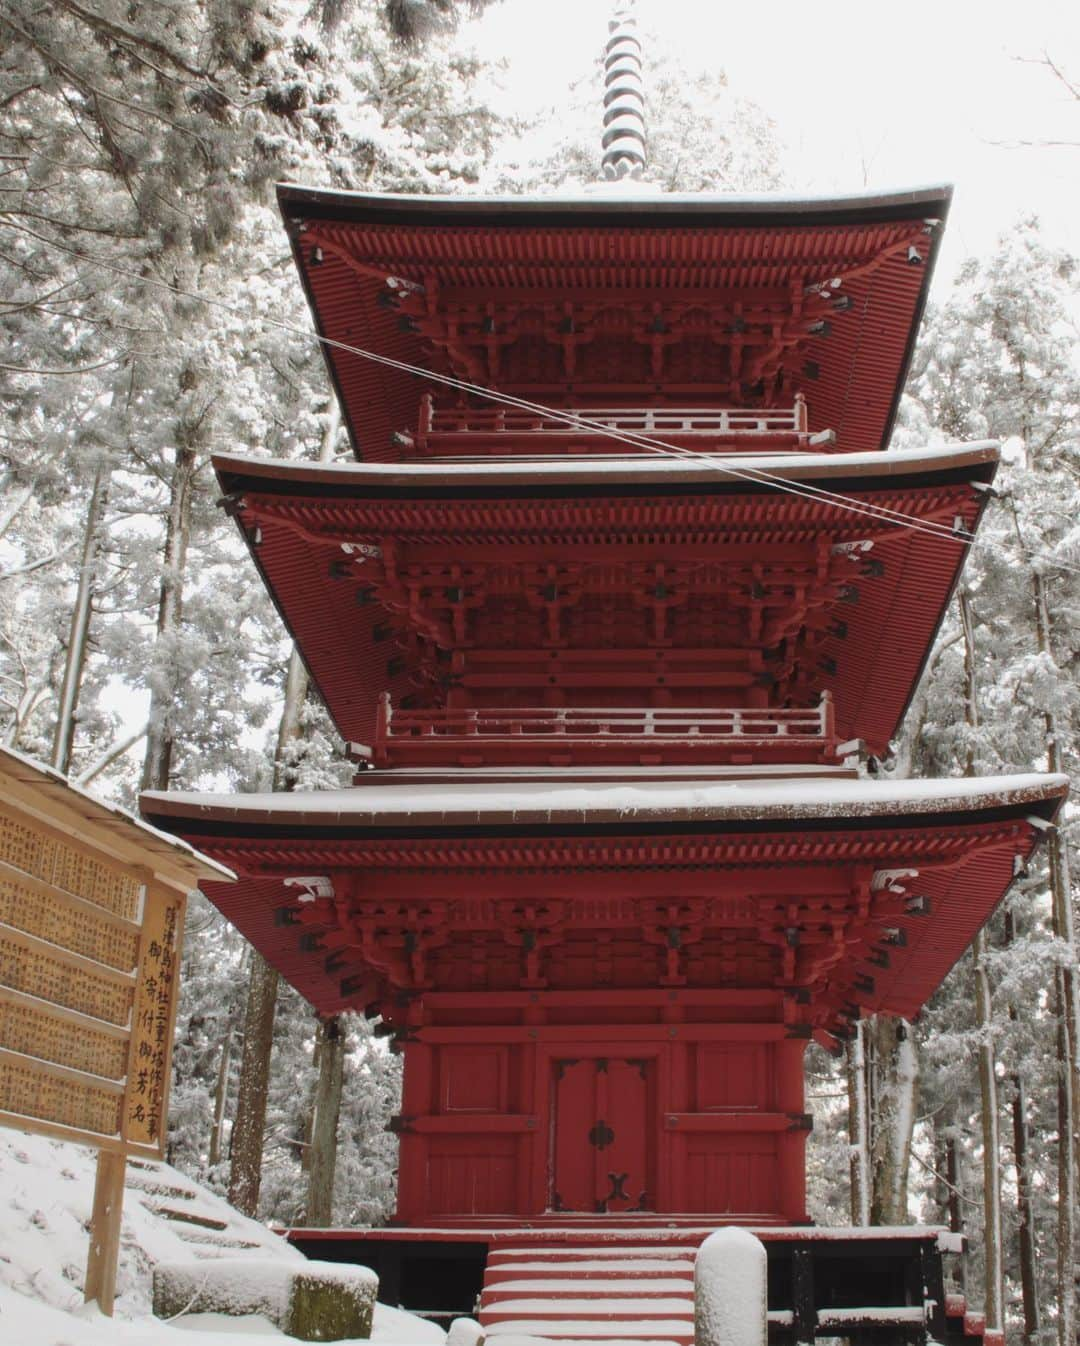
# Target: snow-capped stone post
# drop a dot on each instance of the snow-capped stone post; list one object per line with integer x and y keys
{"x": 624, "y": 99}
{"x": 730, "y": 1290}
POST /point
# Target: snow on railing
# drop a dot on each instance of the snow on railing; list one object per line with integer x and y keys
{"x": 746, "y": 729}
{"x": 715, "y": 421}
{"x": 481, "y": 431}
{"x": 645, "y": 420}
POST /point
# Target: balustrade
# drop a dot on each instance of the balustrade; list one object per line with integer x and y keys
{"x": 485, "y": 734}
{"x": 465, "y": 431}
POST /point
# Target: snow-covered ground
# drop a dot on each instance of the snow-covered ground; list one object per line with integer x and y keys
{"x": 46, "y": 1190}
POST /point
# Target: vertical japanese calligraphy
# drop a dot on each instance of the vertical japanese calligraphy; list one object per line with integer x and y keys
{"x": 153, "y": 1014}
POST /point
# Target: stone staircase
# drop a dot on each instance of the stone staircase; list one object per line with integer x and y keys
{"x": 636, "y": 1288}
{"x": 635, "y": 1292}
{"x": 204, "y": 1222}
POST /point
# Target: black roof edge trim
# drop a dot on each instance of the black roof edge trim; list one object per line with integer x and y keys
{"x": 189, "y": 826}
{"x": 340, "y": 492}
{"x": 299, "y": 202}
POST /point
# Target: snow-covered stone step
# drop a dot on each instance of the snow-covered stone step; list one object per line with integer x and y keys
{"x": 192, "y": 1217}
{"x": 593, "y": 1329}
{"x": 570, "y": 1251}
{"x": 621, "y": 1267}
{"x": 607, "y": 1306}
{"x": 147, "y": 1185}
{"x": 644, "y": 1287}
{"x": 516, "y": 1339}
{"x": 884, "y": 1316}
{"x": 213, "y": 1238}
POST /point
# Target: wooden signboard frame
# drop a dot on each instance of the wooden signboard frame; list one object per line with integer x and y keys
{"x": 92, "y": 905}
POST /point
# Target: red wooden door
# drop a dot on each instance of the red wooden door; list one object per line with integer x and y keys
{"x": 602, "y": 1135}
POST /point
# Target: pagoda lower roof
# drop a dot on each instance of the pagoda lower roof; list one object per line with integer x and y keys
{"x": 548, "y": 803}
{"x": 867, "y": 257}
{"x": 310, "y": 527}
{"x": 881, "y": 884}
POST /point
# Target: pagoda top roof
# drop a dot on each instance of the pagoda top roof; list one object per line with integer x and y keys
{"x": 829, "y": 292}
{"x": 739, "y": 804}
{"x": 621, "y": 205}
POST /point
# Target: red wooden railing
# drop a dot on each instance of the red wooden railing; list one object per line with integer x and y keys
{"x": 462, "y": 430}
{"x": 526, "y": 734}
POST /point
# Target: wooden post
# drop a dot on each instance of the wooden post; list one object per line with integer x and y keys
{"x": 105, "y": 1229}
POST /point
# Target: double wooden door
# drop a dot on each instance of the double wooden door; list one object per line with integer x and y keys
{"x": 603, "y": 1141}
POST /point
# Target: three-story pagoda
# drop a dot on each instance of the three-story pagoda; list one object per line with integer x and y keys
{"x": 621, "y": 588}
{"x": 608, "y": 661}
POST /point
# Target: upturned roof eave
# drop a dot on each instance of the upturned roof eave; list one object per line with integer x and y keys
{"x": 239, "y": 472}
{"x": 298, "y": 202}
{"x": 301, "y": 205}
{"x": 829, "y": 807}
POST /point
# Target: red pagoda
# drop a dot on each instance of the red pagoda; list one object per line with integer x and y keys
{"x": 619, "y": 597}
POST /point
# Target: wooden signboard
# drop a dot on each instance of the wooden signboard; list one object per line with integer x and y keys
{"x": 91, "y": 920}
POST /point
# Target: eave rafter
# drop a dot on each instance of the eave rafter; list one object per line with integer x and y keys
{"x": 734, "y": 335}
{"x": 820, "y": 947}
{"x": 836, "y": 920}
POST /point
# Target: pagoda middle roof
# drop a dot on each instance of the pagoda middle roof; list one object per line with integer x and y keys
{"x": 875, "y": 251}
{"x": 308, "y": 523}
{"x": 718, "y": 473}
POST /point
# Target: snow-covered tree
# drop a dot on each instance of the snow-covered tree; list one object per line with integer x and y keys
{"x": 998, "y": 361}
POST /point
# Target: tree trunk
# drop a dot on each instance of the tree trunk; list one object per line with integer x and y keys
{"x": 290, "y": 728}
{"x": 1066, "y": 1231}
{"x": 221, "y": 1093}
{"x": 247, "y": 1143}
{"x": 993, "y": 1249}
{"x": 245, "y": 1167}
{"x": 1026, "y": 1232}
{"x": 1067, "y": 1006}
{"x": 858, "y": 1128}
{"x": 79, "y": 633}
{"x": 956, "y": 1214}
{"x": 323, "y": 1153}
{"x": 992, "y": 1231}
{"x": 893, "y": 1093}
{"x": 160, "y": 737}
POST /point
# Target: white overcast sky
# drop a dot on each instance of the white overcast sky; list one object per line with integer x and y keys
{"x": 862, "y": 94}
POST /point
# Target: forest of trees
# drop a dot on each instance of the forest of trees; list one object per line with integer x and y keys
{"x": 141, "y": 257}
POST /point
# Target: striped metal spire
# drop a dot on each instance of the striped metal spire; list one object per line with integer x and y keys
{"x": 624, "y": 98}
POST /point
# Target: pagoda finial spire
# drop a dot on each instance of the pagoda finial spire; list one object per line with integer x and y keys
{"x": 624, "y": 97}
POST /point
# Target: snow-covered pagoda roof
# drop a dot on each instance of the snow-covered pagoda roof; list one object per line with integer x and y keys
{"x": 619, "y": 204}
{"x": 426, "y": 280}
{"x": 901, "y": 873}
{"x": 318, "y": 532}
{"x": 976, "y": 461}
{"x": 550, "y": 802}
